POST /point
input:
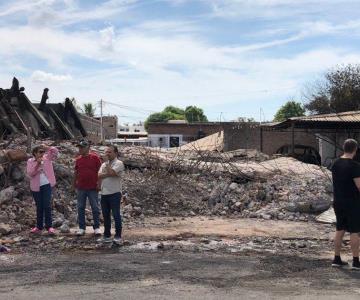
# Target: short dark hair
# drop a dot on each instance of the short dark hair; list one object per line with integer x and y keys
{"x": 350, "y": 145}
{"x": 115, "y": 148}
{"x": 36, "y": 149}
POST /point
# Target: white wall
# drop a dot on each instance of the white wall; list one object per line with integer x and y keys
{"x": 154, "y": 140}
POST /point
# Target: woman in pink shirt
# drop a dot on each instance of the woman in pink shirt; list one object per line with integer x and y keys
{"x": 42, "y": 180}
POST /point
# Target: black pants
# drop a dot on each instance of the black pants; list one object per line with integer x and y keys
{"x": 111, "y": 203}
{"x": 43, "y": 206}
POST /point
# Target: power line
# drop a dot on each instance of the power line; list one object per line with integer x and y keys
{"x": 132, "y": 108}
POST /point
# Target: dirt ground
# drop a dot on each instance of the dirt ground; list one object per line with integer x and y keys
{"x": 200, "y": 257}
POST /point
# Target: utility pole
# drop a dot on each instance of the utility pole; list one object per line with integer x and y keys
{"x": 101, "y": 122}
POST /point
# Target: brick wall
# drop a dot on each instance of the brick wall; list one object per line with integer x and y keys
{"x": 92, "y": 127}
{"x": 248, "y": 136}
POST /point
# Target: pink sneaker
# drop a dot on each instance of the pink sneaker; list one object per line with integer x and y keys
{"x": 35, "y": 230}
{"x": 51, "y": 231}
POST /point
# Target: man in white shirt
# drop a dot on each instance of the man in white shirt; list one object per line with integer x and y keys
{"x": 110, "y": 176}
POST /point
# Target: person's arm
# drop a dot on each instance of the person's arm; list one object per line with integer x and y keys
{"x": 33, "y": 167}
{"x": 355, "y": 174}
{"x": 102, "y": 174}
{"x": 357, "y": 182}
{"x": 51, "y": 152}
{"x": 109, "y": 171}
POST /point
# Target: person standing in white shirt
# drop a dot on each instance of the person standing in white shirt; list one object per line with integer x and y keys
{"x": 110, "y": 175}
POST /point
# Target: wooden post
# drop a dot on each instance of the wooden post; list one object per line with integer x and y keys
{"x": 261, "y": 138}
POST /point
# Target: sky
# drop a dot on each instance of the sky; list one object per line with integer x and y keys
{"x": 233, "y": 58}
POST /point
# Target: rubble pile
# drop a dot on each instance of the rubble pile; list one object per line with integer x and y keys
{"x": 164, "y": 183}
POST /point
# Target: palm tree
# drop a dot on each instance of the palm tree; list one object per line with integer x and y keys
{"x": 89, "y": 109}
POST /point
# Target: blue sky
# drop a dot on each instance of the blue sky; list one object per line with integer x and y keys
{"x": 230, "y": 57}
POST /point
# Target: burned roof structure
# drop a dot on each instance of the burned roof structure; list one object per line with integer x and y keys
{"x": 19, "y": 115}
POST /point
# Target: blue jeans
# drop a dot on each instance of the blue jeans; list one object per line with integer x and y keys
{"x": 92, "y": 195}
{"x": 43, "y": 207}
{"x": 111, "y": 203}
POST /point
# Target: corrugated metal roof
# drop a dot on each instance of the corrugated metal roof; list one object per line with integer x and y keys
{"x": 344, "y": 120}
{"x": 349, "y": 116}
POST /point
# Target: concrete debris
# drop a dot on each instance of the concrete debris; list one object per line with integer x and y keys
{"x": 6, "y": 195}
{"x": 4, "y": 249}
{"x": 161, "y": 183}
{"x": 65, "y": 228}
{"x": 5, "y": 229}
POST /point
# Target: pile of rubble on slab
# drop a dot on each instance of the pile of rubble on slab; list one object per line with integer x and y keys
{"x": 167, "y": 183}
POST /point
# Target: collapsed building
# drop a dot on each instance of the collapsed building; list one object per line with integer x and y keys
{"x": 44, "y": 120}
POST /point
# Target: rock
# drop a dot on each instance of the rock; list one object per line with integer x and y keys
{"x": 7, "y": 194}
{"x": 205, "y": 241}
{"x": 64, "y": 228}
{"x": 17, "y": 174}
{"x": 58, "y": 222}
{"x": 5, "y": 229}
{"x": 261, "y": 195}
{"x": 301, "y": 245}
{"x": 160, "y": 246}
{"x": 233, "y": 186}
{"x": 4, "y": 249}
{"x": 266, "y": 216}
{"x": 128, "y": 208}
{"x": 251, "y": 205}
{"x": 137, "y": 210}
{"x": 192, "y": 213}
{"x": 281, "y": 216}
{"x": 3, "y": 217}
{"x": 16, "y": 155}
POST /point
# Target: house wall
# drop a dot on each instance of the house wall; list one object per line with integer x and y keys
{"x": 163, "y": 140}
{"x": 248, "y": 136}
{"x": 186, "y": 132}
{"x": 110, "y": 125}
{"x": 330, "y": 145}
{"x": 92, "y": 127}
{"x": 237, "y": 135}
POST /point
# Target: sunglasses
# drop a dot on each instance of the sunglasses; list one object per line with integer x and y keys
{"x": 41, "y": 152}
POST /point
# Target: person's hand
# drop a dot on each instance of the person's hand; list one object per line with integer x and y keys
{"x": 45, "y": 146}
{"x": 39, "y": 161}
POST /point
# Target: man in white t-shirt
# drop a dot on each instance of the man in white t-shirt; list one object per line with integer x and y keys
{"x": 110, "y": 175}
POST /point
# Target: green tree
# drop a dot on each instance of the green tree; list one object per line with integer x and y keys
{"x": 190, "y": 114}
{"x": 195, "y": 114}
{"x": 288, "y": 110}
{"x": 163, "y": 116}
{"x": 245, "y": 119}
{"x": 174, "y": 110}
{"x": 338, "y": 92}
{"x": 89, "y": 109}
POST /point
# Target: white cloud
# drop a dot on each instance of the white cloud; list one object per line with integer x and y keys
{"x": 42, "y": 76}
{"x": 170, "y": 61}
{"x": 108, "y": 38}
{"x": 60, "y": 13}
